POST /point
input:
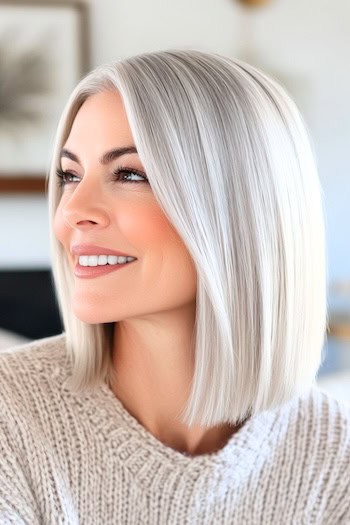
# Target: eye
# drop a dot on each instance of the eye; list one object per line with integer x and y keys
{"x": 65, "y": 177}
{"x": 123, "y": 175}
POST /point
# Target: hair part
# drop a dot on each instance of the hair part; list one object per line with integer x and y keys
{"x": 230, "y": 162}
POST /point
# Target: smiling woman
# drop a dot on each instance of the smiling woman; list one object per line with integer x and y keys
{"x": 189, "y": 264}
{"x": 123, "y": 200}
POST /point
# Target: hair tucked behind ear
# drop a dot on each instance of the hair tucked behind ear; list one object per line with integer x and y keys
{"x": 230, "y": 163}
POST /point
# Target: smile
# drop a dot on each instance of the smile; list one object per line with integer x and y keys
{"x": 90, "y": 272}
{"x": 101, "y": 260}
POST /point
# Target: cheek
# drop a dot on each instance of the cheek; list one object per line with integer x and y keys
{"x": 150, "y": 231}
{"x": 59, "y": 228}
{"x": 146, "y": 225}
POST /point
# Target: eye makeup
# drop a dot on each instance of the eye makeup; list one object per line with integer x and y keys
{"x": 119, "y": 175}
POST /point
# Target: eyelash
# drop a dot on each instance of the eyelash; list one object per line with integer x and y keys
{"x": 62, "y": 176}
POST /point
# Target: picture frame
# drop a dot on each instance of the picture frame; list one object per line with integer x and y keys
{"x": 44, "y": 52}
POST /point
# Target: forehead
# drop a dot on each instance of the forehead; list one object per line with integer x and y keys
{"x": 101, "y": 117}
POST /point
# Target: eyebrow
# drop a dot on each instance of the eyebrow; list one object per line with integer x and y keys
{"x": 106, "y": 158}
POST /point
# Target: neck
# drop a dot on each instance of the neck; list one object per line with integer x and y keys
{"x": 153, "y": 364}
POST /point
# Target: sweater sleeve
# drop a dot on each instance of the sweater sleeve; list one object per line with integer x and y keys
{"x": 17, "y": 502}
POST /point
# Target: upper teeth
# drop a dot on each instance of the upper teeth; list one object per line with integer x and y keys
{"x": 100, "y": 260}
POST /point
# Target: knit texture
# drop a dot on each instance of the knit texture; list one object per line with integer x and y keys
{"x": 84, "y": 459}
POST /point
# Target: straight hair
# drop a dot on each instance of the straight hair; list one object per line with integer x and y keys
{"x": 231, "y": 164}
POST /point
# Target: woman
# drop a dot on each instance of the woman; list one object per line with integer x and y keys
{"x": 183, "y": 387}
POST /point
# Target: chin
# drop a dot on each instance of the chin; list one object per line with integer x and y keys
{"x": 88, "y": 319}
{"x": 89, "y": 314}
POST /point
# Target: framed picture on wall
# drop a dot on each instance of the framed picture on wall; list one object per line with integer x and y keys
{"x": 44, "y": 51}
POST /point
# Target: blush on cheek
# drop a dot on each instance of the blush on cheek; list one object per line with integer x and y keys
{"x": 145, "y": 226}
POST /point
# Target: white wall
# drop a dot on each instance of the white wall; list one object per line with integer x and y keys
{"x": 24, "y": 232}
{"x": 306, "y": 44}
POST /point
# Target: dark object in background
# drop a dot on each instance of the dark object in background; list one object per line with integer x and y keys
{"x": 27, "y": 303}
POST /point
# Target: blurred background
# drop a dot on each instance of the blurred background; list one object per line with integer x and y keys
{"x": 46, "y": 46}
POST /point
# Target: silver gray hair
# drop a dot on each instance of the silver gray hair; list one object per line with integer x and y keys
{"x": 231, "y": 163}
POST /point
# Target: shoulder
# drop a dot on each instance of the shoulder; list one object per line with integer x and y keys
{"x": 331, "y": 415}
{"x": 334, "y": 423}
{"x": 310, "y": 451}
{"x": 319, "y": 436}
{"x": 39, "y": 355}
{"x": 30, "y": 392}
{"x": 312, "y": 430}
{"x": 319, "y": 417}
{"x": 329, "y": 445}
{"x": 32, "y": 371}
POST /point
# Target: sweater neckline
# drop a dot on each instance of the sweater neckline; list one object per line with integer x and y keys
{"x": 134, "y": 444}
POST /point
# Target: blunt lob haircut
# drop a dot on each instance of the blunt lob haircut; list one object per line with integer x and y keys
{"x": 231, "y": 164}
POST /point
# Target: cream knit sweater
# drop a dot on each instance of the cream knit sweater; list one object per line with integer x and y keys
{"x": 83, "y": 459}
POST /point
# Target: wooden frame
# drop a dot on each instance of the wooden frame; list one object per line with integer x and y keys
{"x": 254, "y": 3}
{"x": 76, "y": 12}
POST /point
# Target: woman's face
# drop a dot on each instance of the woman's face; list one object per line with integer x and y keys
{"x": 99, "y": 209}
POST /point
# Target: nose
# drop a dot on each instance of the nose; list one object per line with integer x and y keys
{"x": 85, "y": 208}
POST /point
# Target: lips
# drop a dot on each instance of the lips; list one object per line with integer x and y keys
{"x": 92, "y": 249}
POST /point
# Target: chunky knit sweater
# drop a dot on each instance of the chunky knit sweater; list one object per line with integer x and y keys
{"x": 83, "y": 459}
